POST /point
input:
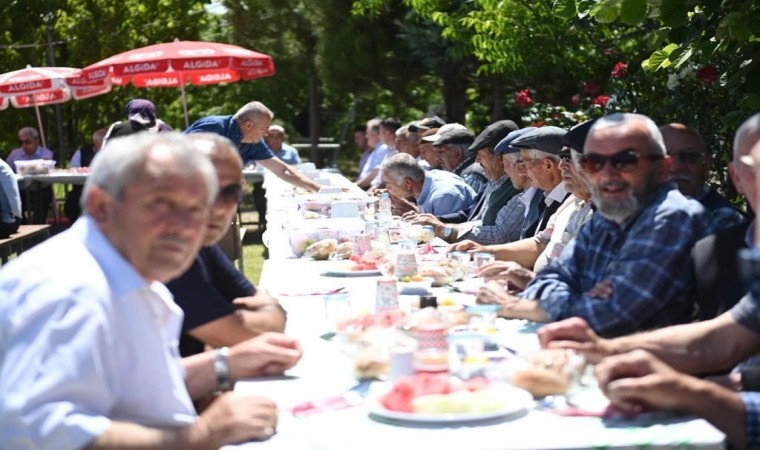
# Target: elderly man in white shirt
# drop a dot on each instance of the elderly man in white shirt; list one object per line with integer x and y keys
{"x": 88, "y": 332}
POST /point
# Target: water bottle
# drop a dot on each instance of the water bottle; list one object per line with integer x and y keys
{"x": 384, "y": 215}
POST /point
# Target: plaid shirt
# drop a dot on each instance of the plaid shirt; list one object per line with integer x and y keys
{"x": 747, "y": 313}
{"x": 507, "y": 228}
{"x": 751, "y": 402}
{"x": 647, "y": 260}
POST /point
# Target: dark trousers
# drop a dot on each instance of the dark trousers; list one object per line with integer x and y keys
{"x": 35, "y": 203}
{"x": 260, "y": 203}
{"x": 7, "y": 229}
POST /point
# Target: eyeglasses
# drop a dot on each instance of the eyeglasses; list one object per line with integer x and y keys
{"x": 25, "y": 141}
{"x": 624, "y": 161}
{"x": 565, "y": 155}
{"x": 232, "y": 193}
{"x": 688, "y": 157}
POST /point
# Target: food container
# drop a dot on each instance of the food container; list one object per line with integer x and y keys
{"x": 34, "y": 167}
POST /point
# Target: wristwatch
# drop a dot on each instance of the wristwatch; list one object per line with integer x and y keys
{"x": 447, "y": 232}
{"x": 222, "y": 369}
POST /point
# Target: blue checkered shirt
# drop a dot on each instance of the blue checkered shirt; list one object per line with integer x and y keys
{"x": 647, "y": 260}
{"x": 507, "y": 227}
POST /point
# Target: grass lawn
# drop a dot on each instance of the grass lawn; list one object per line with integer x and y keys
{"x": 253, "y": 253}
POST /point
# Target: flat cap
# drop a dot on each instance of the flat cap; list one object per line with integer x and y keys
{"x": 505, "y": 145}
{"x": 451, "y": 133}
{"x": 426, "y": 124}
{"x": 546, "y": 139}
{"x": 492, "y": 135}
{"x": 576, "y": 137}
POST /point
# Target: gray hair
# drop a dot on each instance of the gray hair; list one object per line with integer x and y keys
{"x": 462, "y": 147}
{"x": 513, "y": 157}
{"x": 539, "y": 154}
{"x": 30, "y": 130}
{"x": 122, "y": 162}
{"x": 748, "y": 128}
{"x": 617, "y": 119}
{"x": 403, "y": 131}
{"x": 251, "y": 110}
{"x": 402, "y": 165}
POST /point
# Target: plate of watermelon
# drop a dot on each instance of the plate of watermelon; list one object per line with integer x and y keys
{"x": 358, "y": 266}
{"x": 443, "y": 399}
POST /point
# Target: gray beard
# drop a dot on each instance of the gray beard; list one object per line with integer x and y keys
{"x": 620, "y": 211}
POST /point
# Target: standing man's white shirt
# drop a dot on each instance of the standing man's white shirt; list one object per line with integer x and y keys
{"x": 114, "y": 358}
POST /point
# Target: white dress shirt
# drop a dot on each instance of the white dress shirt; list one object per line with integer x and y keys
{"x": 84, "y": 340}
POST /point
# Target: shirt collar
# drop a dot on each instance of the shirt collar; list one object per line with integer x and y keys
{"x": 466, "y": 162}
{"x": 557, "y": 194}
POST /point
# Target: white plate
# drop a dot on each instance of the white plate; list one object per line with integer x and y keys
{"x": 352, "y": 273}
{"x": 520, "y": 401}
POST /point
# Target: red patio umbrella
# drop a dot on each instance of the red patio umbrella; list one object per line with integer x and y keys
{"x": 39, "y": 86}
{"x": 175, "y": 64}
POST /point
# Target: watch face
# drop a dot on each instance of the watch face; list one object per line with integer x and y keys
{"x": 447, "y": 232}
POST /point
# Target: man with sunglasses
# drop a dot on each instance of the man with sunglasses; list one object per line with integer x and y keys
{"x": 690, "y": 169}
{"x": 30, "y": 149}
{"x": 629, "y": 268}
{"x": 221, "y": 306}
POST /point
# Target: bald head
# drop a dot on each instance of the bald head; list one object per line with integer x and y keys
{"x": 691, "y": 161}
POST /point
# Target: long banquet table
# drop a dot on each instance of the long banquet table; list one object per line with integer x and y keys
{"x": 326, "y": 370}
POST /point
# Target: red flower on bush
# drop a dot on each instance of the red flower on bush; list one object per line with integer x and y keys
{"x": 575, "y": 99}
{"x": 620, "y": 70}
{"x": 600, "y": 100}
{"x": 592, "y": 89}
{"x": 707, "y": 75}
{"x": 523, "y": 98}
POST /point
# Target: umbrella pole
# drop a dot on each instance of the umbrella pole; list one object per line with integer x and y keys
{"x": 39, "y": 124}
{"x": 184, "y": 105}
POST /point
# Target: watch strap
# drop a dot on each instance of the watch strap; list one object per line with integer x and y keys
{"x": 222, "y": 369}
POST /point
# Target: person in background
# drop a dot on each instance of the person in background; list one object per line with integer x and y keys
{"x": 427, "y": 151}
{"x": 141, "y": 116}
{"x": 10, "y": 201}
{"x": 82, "y": 158}
{"x": 451, "y": 143}
{"x": 222, "y": 308}
{"x": 360, "y": 141}
{"x": 498, "y": 192}
{"x": 691, "y": 169}
{"x": 88, "y": 332}
{"x": 437, "y": 192}
{"x": 275, "y": 139}
{"x": 246, "y": 129}
{"x": 30, "y": 149}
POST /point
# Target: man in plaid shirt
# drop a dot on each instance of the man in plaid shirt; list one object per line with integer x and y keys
{"x": 649, "y": 370}
{"x": 629, "y": 268}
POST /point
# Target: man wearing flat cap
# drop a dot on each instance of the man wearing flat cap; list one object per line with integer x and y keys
{"x": 451, "y": 142}
{"x": 519, "y": 213}
{"x": 539, "y": 152}
{"x": 499, "y": 188}
{"x": 629, "y": 268}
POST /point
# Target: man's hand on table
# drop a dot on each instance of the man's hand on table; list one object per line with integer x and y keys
{"x": 262, "y": 311}
{"x": 509, "y": 271}
{"x": 638, "y": 381}
{"x": 467, "y": 246}
{"x": 234, "y": 418}
{"x": 575, "y": 334}
{"x": 266, "y": 354}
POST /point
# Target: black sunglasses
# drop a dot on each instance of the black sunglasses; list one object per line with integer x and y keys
{"x": 232, "y": 193}
{"x": 25, "y": 141}
{"x": 565, "y": 155}
{"x": 688, "y": 157}
{"x": 623, "y": 161}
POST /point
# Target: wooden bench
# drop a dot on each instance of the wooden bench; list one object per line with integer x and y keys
{"x": 25, "y": 238}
